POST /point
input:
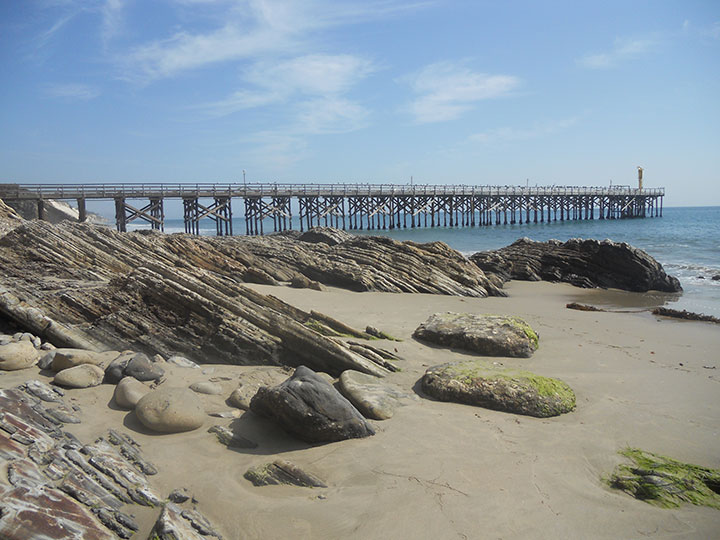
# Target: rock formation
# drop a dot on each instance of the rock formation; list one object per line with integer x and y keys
{"x": 281, "y": 471}
{"x": 583, "y": 263}
{"x": 475, "y": 382}
{"x": 309, "y": 408}
{"x": 89, "y": 287}
{"x": 489, "y": 335}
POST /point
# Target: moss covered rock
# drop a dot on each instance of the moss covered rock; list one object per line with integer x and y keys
{"x": 666, "y": 482}
{"x": 489, "y": 335}
{"x": 475, "y": 382}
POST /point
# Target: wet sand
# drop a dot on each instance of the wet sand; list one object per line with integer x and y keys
{"x": 442, "y": 470}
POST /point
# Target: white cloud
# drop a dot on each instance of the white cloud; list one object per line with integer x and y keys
{"x": 111, "y": 12}
{"x": 506, "y": 134}
{"x": 330, "y": 115}
{"x": 72, "y": 91}
{"x": 623, "y": 49}
{"x": 446, "y": 90}
{"x": 251, "y": 29}
{"x": 310, "y": 75}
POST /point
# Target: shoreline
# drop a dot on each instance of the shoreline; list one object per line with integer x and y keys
{"x": 445, "y": 470}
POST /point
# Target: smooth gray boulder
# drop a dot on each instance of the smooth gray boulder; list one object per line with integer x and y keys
{"x": 476, "y": 382}
{"x": 170, "y": 410}
{"x": 143, "y": 369}
{"x": 128, "y": 392}
{"x": 306, "y": 406}
{"x": 18, "y": 355}
{"x": 488, "y": 335}
{"x": 82, "y": 376}
{"x": 373, "y": 398}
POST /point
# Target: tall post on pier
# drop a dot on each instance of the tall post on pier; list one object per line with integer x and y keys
{"x": 41, "y": 209}
{"x": 82, "y": 213}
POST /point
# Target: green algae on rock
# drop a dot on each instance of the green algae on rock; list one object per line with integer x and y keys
{"x": 665, "y": 482}
{"x": 489, "y": 335}
{"x": 475, "y": 382}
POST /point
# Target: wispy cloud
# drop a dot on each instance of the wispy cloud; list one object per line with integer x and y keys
{"x": 507, "y": 134}
{"x": 309, "y": 75}
{"x": 623, "y": 49}
{"x": 251, "y": 29}
{"x": 112, "y": 19}
{"x": 72, "y": 91}
{"x": 446, "y": 90}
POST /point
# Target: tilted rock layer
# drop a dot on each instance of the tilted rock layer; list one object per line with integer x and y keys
{"x": 584, "y": 263}
{"x": 86, "y": 286}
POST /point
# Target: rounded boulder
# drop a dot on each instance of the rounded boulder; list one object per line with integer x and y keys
{"x": 170, "y": 410}
{"x": 128, "y": 392}
{"x": 18, "y": 355}
{"x": 82, "y": 376}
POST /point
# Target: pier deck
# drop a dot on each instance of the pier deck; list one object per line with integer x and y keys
{"x": 353, "y": 206}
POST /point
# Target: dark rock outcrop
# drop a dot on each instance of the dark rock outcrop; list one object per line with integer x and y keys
{"x": 583, "y": 263}
{"x": 477, "y": 383}
{"x": 308, "y": 407}
{"x": 489, "y": 335}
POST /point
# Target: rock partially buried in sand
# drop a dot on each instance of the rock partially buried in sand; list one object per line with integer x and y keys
{"x": 370, "y": 395}
{"x": 489, "y": 335}
{"x": 18, "y": 355}
{"x": 128, "y": 392}
{"x": 308, "y": 407}
{"x": 282, "y": 472}
{"x": 82, "y": 376}
{"x": 143, "y": 369}
{"x": 474, "y": 382}
{"x": 206, "y": 387}
{"x": 666, "y": 482}
{"x": 170, "y": 410}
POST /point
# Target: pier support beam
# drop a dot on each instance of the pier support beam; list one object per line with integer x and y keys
{"x": 219, "y": 211}
{"x": 152, "y": 213}
{"x": 82, "y": 212}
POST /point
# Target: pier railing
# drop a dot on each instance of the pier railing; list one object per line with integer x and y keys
{"x": 166, "y": 190}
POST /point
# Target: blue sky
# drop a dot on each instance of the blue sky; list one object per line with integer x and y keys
{"x": 468, "y": 92}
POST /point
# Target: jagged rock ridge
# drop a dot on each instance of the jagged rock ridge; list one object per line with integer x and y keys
{"x": 91, "y": 287}
{"x": 584, "y": 263}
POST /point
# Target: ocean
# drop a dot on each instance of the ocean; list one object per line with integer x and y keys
{"x": 686, "y": 241}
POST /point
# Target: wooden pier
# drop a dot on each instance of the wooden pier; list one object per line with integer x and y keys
{"x": 268, "y": 207}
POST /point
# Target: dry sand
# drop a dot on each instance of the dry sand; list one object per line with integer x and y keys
{"x": 442, "y": 470}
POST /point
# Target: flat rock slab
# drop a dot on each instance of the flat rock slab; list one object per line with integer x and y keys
{"x": 282, "y": 472}
{"x": 308, "y": 407}
{"x": 170, "y": 410}
{"x": 474, "y": 382}
{"x": 489, "y": 335}
{"x": 373, "y": 398}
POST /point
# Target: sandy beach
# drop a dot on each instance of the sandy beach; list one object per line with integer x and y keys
{"x": 443, "y": 470}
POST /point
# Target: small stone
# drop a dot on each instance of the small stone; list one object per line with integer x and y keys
{"x": 170, "y": 410}
{"x": 128, "y": 392}
{"x": 46, "y": 360}
{"x": 37, "y": 342}
{"x": 206, "y": 387}
{"x": 18, "y": 355}
{"x": 282, "y": 472}
{"x": 82, "y": 376}
{"x": 116, "y": 370}
{"x": 47, "y": 346}
{"x": 179, "y": 495}
{"x": 158, "y": 359}
{"x": 230, "y": 439}
{"x": 716, "y": 277}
